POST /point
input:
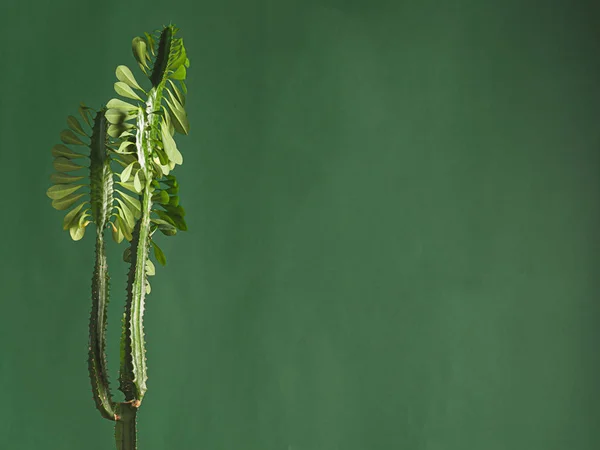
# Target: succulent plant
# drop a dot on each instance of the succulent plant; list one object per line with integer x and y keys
{"x": 122, "y": 178}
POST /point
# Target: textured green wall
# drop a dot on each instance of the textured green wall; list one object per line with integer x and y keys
{"x": 393, "y": 227}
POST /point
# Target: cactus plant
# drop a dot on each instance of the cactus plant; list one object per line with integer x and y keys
{"x": 137, "y": 139}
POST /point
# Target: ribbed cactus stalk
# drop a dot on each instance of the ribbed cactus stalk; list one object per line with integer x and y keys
{"x": 136, "y": 138}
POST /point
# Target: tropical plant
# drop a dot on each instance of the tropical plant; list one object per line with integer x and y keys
{"x": 137, "y": 139}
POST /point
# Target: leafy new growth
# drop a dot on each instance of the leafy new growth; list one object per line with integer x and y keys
{"x": 93, "y": 194}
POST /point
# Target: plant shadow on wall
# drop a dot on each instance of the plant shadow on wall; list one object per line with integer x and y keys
{"x": 134, "y": 140}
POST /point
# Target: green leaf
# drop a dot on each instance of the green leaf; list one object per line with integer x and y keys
{"x": 172, "y": 231}
{"x": 133, "y": 203}
{"x": 165, "y": 227}
{"x": 124, "y": 229}
{"x": 73, "y": 216}
{"x": 179, "y": 60}
{"x": 140, "y": 52}
{"x": 124, "y": 74}
{"x": 123, "y": 146}
{"x": 180, "y": 223}
{"x": 170, "y": 146}
{"x": 68, "y": 137}
{"x": 127, "y": 172}
{"x": 174, "y": 201}
{"x": 127, "y": 159}
{"x": 158, "y": 254}
{"x": 137, "y": 183}
{"x": 116, "y": 234}
{"x": 127, "y": 214}
{"x": 125, "y": 91}
{"x": 117, "y": 103}
{"x": 164, "y": 168}
{"x": 65, "y": 165}
{"x": 175, "y": 214}
{"x": 129, "y": 186}
{"x": 157, "y": 167}
{"x": 76, "y": 232}
{"x": 66, "y": 202}
{"x": 171, "y": 180}
{"x": 61, "y": 190}
{"x": 74, "y": 125}
{"x": 178, "y": 93}
{"x": 179, "y": 115}
{"x": 115, "y": 131}
{"x": 118, "y": 130}
{"x": 127, "y": 230}
{"x": 179, "y": 74}
{"x": 150, "y": 41}
{"x": 127, "y": 134}
{"x": 163, "y": 159}
{"x": 150, "y": 269}
{"x": 83, "y": 111}
{"x": 175, "y": 210}
{"x": 116, "y": 116}
{"x": 63, "y": 178}
{"x": 63, "y": 150}
{"x": 164, "y": 216}
{"x": 82, "y": 222}
{"x": 162, "y": 222}
{"x": 160, "y": 197}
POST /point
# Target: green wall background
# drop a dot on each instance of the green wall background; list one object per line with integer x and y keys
{"x": 393, "y": 227}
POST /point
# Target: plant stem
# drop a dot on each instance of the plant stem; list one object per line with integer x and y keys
{"x": 97, "y": 364}
{"x": 125, "y": 427}
{"x": 133, "y": 354}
